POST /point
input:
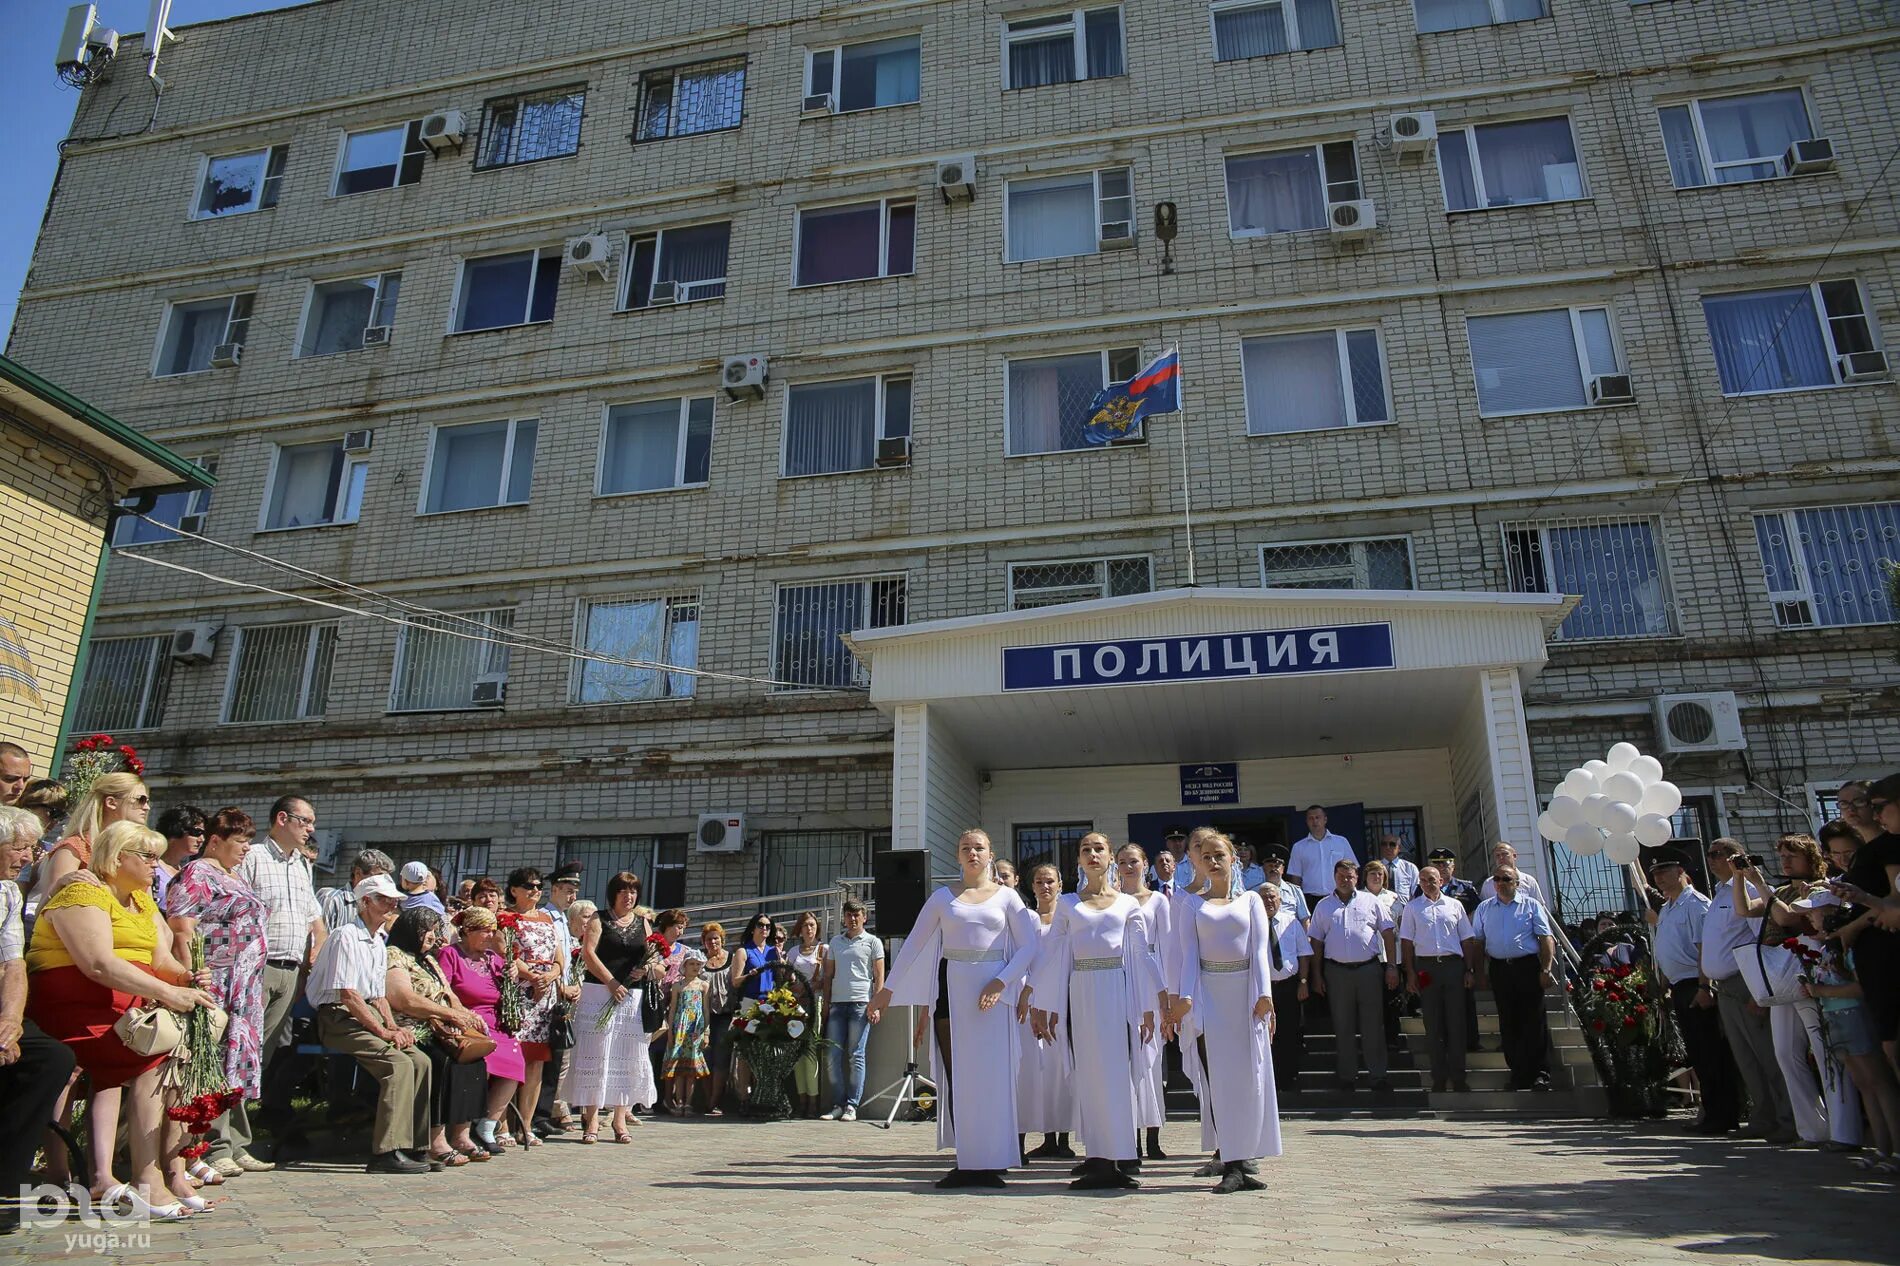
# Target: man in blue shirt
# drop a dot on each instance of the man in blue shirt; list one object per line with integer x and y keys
{"x": 1273, "y": 870}
{"x": 1518, "y": 950}
{"x": 1677, "y": 912}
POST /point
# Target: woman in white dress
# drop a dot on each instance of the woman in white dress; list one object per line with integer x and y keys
{"x": 1151, "y": 1100}
{"x": 1224, "y": 1007}
{"x": 1043, "y": 1102}
{"x": 1095, "y": 970}
{"x": 985, "y": 939}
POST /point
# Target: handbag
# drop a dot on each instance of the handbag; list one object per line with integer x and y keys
{"x": 464, "y": 1047}
{"x": 150, "y": 1030}
{"x": 652, "y": 1005}
{"x": 1772, "y": 974}
{"x": 561, "y": 1028}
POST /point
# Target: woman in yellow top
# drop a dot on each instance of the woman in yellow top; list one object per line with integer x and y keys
{"x": 119, "y": 797}
{"x": 99, "y": 946}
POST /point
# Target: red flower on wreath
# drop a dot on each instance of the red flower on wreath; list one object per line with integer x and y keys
{"x": 1641, "y": 1009}
{"x": 1629, "y": 1021}
{"x": 1597, "y": 1026}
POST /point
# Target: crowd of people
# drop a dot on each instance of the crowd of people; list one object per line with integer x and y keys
{"x": 466, "y": 1026}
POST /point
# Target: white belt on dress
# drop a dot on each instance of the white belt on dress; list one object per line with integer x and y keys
{"x": 991, "y": 955}
{"x": 1096, "y": 964}
{"x": 1239, "y": 964}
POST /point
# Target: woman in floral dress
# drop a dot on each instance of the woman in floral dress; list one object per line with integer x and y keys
{"x": 540, "y": 967}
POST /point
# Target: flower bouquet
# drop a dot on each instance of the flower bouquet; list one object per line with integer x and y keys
{"x": 773, "y": 1033}
{"x": 197, "y": 1071}
{"x": 92, "y": 758}
{"x": 1623, "y": 1014}
{"x": 511, "y": 1010}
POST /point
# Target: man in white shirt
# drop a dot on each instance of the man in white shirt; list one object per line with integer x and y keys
{"x": 1750, "y": 1041}
{"x": 1349, "y": 927}
{"x": 1273, "y": 870}
{"x": 1503, "y": 854}
{"x": 1401, "y": 876}
{"x": 1315, "y": 855}
{"x": 353, "y": 1016}
{"x": 1677, "y": 912}
{"x": 1439, "y": 949}
{"x": 1289, "y": 964}
{"x": 853, "y": 973}
{"x": 564, "y": 889}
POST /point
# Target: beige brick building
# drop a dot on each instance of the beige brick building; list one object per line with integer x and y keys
{"x": 1494, "y": 297}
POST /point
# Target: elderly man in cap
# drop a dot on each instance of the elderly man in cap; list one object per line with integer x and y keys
{"x": 353, "y": 1016}
{"x": 564, "y": 888}
{"x": 417, "y": 882}
{"x": 338, "y": 905}
{"x": 1273, "y": 871}
{"x": 1676, "y": 911}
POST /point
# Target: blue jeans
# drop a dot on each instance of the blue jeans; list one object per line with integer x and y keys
{"x": 849, "y": 1029}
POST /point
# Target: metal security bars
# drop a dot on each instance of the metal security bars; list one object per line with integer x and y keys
{"x": 799, "y": 861}
{"x": 529, "y": 128}
{"x": 810, "y": 621}
{"x": 125, "y": 685}
{"x": 280, "y": 672}
{"x": 1034, "y": 585}
{"x": 690, "y": 100}
{"x": 1403, "y": 825}
{"x": 659, "y": 861}
{"x": 1057, "y": 843}
{"x": 438, "y": 671}
{"x": 454, "y": 860}
{"x": 1614, "y": 565}
{"x": 1374, "y": 563}
{"x": 1827, "y": 567}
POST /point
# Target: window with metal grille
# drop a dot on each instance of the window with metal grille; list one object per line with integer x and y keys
{"x": 1260, "y": 28}
{"x": 531, "y": 127}
{"x": 124, "y": 687}
{"x": 658, "y": 630}
{"x": 810, "y": 621}
{"x": 454, "y": 860}
{"x": 1077, "y": 580}
{"x": 806, "y": 861}
{"x": 280, "y": 672}
{"x": 439, "y": 659}
{"x": 1375, "y": 563}
{"x": 1614, "y": 565}
{"x": 1404, "y": 825}
{"x": 185, "y": 510}
{"x": 659, "y": 861}
{"x": 233, "y": 184}
{"x": 1827, "y": 567}
{"x": 1056, "y": 843}
{"x": 1049, "y": 398}
{"x": 691, "y": 100}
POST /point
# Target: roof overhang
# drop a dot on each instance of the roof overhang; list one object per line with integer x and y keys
{"x": 152, "y": 466}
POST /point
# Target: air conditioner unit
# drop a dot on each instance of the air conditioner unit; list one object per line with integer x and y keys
{"x": 893, "y": 450}
{"x": 745, "y": 376}
{"x": 1413, "y": 132}
{"x": 589, "y": 253}
{"x": 956, "y": 178}
{"x": 1352, "y": 219}
{"x": 444, "y": 130}
{"x": 819, "y": 103}
{"x": 1804, "y": 158}
{"x": 1710, "y": 721}
{"x": 227, "y": 355}
{"x": 489, "y": 691}
{"x": 375, "y": 335}
{"x": 194, "y": 523}
{"x": 1862, "y": 366}
{"x": 194, "y": 643}
{"x": 1610, "y": 389}
{"x": 1117, "y": 235}
{"x": 664, "y": 292}
{"x": 720, "y": 833}
{"x": 358, "y": 441}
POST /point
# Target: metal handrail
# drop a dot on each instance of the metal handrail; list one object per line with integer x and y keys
{"x": 826, "y": 903}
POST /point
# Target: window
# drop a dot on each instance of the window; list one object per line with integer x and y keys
{"x": 1828, "y": 567}
{"x": 812, "y": 861}
{"x": 454, "y": 860}
{"x": 1049, "y": 397}
{"x": 657, "y": 444}
{"x": 236, "y": 183}
{"x": 195, "y": 330}
{"x": 529, "y": 128}
{"x": 1314, "y": 381}
{"x": 185, "y": 510}
{"x": 1062, "y": 48}
{"x": 1454, "y": 15}
{"x": 497, "y": 291}
{"x": 1375, "y": 563}
{"x": 1287, "y": 191}
{"x": 1404, "y": 825}
{"x": 1250, "y": 28}
{"x": 1057, "y": 843}
{"x": 691, "y": 100}
{"x": 124, "y": 687}
{"x": 810, "y": 620}
{"x": 1614, "y": 565}
{"x": 315, "y": 484}
{"x": 659, "y": 861}
{"x": 856, "y": 241}
{"x": 1532, "y": 362}
{"x": 866, "y": 76}
{"x": 440, "y": 658}
{"x": 662, "y": 630}
{"x": 1788, "y": 339}
{"x": 1034, "y": 585}
{"x": 280, "y": 672}
{"x": 479, "y": 465}
{"x": 833, "y": 427}
{"x": 380, "y": 159}
{"x": 1726, "y": 140}
{"x": 1061, "y": 216}
{"x": 1509, "y": 164}
{"x": 683, "y": 265}
{"x": 341, "y": 310}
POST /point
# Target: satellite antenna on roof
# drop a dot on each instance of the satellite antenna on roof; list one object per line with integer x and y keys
{"x": 156, "y": 35}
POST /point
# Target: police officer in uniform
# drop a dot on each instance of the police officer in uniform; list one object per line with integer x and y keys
{"x": 1466, "y": 894}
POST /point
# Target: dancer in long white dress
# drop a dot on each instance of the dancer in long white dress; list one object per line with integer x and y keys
{"x": 1151, "y": 1097}
{"x": 1043, "y": 1102}
{"x": 985, "y": 939}
{"x": 1094, "y": 970}
{"x": 1225, "y": 1008}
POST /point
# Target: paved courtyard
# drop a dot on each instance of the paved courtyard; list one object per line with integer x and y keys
{"x": 1352, "y": 1192}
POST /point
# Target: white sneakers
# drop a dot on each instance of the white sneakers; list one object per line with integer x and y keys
{"x": 836, "y": 1114}
{"x": 849, "y": 1114}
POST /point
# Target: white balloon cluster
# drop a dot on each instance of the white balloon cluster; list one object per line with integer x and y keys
{"x": 1615, "y": 806}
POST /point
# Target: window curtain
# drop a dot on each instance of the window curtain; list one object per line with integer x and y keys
{"x": 1275, "y": 193}
{"x": 1048, "y": 402}
{"x": 642, "y": 446}
{"x": 495, "y": 291}
{"x": 623, "y": 630}
{"x": 1614, "y": 567}
{"x": 697, "y": 254}
{"x": 1767, "y": 340}
{"x": 1254, "y": 32}
{"x": 467, "y": 466}
{"x": 1451, "y": 15}
{"x": 199, "y": 327}
{"x": 1049, "y": 219}
{"x": 1102, "y": 32}
{"x": 1319, "y": 25}
{"x": 709, "y": 101}
{"x": 1033, "y": 63}
{"x": 1525, "y": 361}
{"x": 838, "y": 244}
{"x": 1847, "y": 549}
{"x": 1759, "y": 126}
{"x": 1531, "y": 161}
{"x": 1679, "y": 143}
{"x": 1598, "y": 345}
{"x": 1292, "y": 383}
{"x": 882, "y": 74}
{"x": 343, "y": 310}
{"x": 305, "y": 488}
{"x": 682, "y": 649}
{"x": 1777, "y": 554}
{"x": 1454, "y": 166}
{"x": 1367, "y": 367}
{"x": 831, "y": 427}
{"x": 546, "y": 128}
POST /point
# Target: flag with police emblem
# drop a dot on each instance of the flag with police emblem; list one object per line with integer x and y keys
{"x": 1116, "y": 414}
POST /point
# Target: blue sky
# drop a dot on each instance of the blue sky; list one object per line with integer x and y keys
{"x": 38, "y": 110}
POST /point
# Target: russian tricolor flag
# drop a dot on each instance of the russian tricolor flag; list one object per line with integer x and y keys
{"x": 1115, "y": 415}
{"x": 1158, "y": 387}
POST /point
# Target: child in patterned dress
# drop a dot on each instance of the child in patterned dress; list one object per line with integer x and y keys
{"x": 686, "y": 1025}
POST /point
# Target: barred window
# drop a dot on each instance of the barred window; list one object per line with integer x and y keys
{"x": 1378, "y": 563}
{"x": 437, "y": 669}
{"x": 1034, "y": 585}
{"x": 280, "y": 672}
{"x": 1828, "y": 566}
{"x": 531, "y": 127}
{"x": 691, "y": 100}
{"x": 124, "y": 687}
{"x": 662, "y": 630}
{"x": 1614, "y": 565}
{"x": 659, "y": 861}
{"x": 806, "y": 861}
{"x": 455, "y": 860}
{"x": 811, "y": 620}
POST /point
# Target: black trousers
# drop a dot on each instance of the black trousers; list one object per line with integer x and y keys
{"x": 1708, "y": 1052}
{"x": 1517, "y": 985}
{"x": 28, "y": 1087}
{"x": 1289, "y": 1033}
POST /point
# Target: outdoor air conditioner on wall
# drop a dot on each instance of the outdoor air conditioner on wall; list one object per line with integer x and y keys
{"x": 1352, "y": 219}
{"x": 1862, "y": 366}
{"x": 956, "y": 178}
{"x": 720, "y": 833}
{"x": 819, "y": 103}
{"x": 1117, "y": 235}
{"x": 444, "y": 130}
{"x": 489, "y": 691}
{"x": 227, "y": 355}
{"x": 1414, "y": 132}
{"x": 1708, "y": 721}
{"x": 745, "y": 376}
{"x": 589, "y": 253}
{"x": 194, "y": 643}
{"x": 1610, "y": 389}
{"x": 1804, "y": 158}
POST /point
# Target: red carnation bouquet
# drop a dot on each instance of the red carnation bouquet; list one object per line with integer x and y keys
{"x": 92, "y": 758}
{"x": 197, "y": 1070}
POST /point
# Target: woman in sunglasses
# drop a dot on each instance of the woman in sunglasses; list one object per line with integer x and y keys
{"x": 754, "y": 971}
{"x": 119, "y": 797}
{"x": 540, "y": 959}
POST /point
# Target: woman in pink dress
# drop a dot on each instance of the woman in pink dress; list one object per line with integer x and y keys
{"x": 475, "y": 970}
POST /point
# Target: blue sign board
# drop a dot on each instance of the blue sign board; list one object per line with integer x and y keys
{"x": 1210, "y": 784}
{"x": 1341, "y": 648}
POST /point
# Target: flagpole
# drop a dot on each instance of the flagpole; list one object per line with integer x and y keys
{"x": 1187, "y": 508}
